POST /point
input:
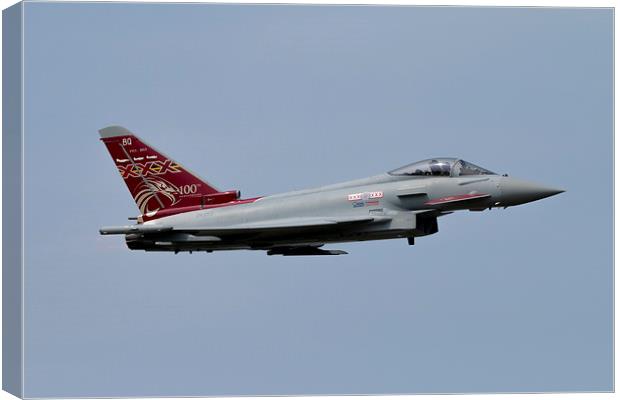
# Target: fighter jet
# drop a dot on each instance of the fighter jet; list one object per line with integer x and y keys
{"x": 180, "y": 212}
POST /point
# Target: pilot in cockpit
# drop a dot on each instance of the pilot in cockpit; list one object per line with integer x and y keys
{"x": 439, "y": 168}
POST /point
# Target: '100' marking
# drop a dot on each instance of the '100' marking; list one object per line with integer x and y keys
{"x": 188, "y": 189}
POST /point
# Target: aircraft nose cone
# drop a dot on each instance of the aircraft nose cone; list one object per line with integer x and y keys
{"x": 516, "y": 191}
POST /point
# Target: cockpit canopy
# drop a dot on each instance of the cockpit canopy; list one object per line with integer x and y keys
{"x": 441, "y": 167}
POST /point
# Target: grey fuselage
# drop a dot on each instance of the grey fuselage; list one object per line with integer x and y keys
{"x": 400, "y": 206}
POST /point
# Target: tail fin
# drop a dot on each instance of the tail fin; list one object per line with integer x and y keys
{"x": 155, "y": 181}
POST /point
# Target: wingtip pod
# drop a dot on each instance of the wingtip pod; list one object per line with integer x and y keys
{"x": 124, "y": 230}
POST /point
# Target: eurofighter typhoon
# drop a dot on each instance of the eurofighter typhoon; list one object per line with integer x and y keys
{"x": 182, "y": 212}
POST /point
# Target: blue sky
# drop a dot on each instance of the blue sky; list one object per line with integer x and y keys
{"x": 267, "y": 99}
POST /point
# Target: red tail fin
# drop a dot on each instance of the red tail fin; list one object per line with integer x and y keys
{"x": 155, "y": 181}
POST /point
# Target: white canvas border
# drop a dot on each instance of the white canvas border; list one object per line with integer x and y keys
{"x": 479, "y": 3}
